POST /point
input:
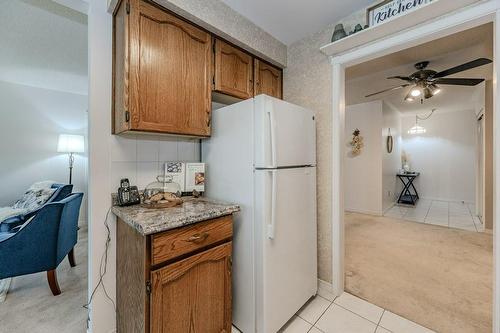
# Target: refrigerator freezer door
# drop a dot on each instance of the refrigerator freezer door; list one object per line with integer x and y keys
{"x": 285, "y": 134}
{"x": 287, "y": 253}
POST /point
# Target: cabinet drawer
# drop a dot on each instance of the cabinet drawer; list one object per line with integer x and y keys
{"x": 174, "y": 243}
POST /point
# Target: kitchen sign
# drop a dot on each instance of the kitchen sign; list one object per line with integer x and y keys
{"x": 389, "y": 9}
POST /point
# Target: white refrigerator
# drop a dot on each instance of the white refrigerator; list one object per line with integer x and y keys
{"x": 262, "y": 155}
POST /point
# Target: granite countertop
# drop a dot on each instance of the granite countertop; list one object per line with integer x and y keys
{"x": 149, "y": 221}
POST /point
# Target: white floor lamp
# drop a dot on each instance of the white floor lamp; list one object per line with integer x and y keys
{"x": 71, "y": 144}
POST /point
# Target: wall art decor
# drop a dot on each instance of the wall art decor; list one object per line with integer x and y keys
{"x": 390, "y": 142}
{"x": 388, "y": 9}
{"x": 356, "y": 142}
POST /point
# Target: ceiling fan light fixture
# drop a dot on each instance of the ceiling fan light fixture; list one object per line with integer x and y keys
{"x": 415, "y": 92}
{"x": 417, "y": 130}
{"x": 409, "y": 98}
{"x": 428, "y": 92}
{"x": 434, "y": 89}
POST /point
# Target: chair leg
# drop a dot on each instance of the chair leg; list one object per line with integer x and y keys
{"x": 71, "y": 258}
{"x": 54, "y": 286}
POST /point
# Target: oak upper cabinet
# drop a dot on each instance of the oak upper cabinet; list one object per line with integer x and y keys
{"x": 194, "y": 294}
{"x": 268, "y": 79}
{"x": 162, "y": 72}
{"x": 233, "y": 74}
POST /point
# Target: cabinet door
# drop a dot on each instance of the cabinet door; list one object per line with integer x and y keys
{"x": 170, "y": 72}
{"x": 193, "y": 295}
{"x": 233, "y": 71}
{"x": 268, "y": 79}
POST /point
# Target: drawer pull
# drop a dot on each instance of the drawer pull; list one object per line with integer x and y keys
{"x": 198, "y": 238}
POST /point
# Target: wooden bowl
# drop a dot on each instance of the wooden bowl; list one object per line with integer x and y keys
{"x": 166, "y": 204}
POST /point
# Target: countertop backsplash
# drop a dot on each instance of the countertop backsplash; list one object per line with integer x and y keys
{"x": 141, "y": 158}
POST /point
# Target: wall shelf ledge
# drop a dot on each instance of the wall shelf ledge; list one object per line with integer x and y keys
{"x": 423, "y": 14}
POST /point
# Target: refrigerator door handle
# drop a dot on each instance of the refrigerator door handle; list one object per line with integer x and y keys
{"x": 271, "y": 228}
{"x": 272, "y": 129}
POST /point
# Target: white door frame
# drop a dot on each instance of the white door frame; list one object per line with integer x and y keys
{"x": 465, "y": 18}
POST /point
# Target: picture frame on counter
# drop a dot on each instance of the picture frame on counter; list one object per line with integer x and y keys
{"x": 388, "y": 9}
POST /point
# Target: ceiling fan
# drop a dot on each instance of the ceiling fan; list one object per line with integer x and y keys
{"x": 425, "y": 81}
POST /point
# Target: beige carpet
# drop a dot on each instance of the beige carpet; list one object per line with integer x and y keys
{"x": 438, "y": 277}
{"x": 31, "y": 307}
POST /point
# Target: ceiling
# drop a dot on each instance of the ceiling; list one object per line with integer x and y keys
{"x": 292, "y": 20}
{"x": 371, "y": 76}
{"x": 46, "y": 48}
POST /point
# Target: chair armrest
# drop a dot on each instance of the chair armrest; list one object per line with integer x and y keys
{"x": 11, "y": 222}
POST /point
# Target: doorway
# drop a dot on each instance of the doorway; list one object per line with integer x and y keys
{"x": 43, "y": 228}
{"x": 455, "y": 22}
{"x": 419, "y": 250}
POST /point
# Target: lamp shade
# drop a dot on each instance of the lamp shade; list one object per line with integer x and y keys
{"x": 70, "y": 143}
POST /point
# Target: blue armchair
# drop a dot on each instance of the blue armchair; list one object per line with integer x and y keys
{"x": 43, "y": 242}
{"x": 61, "y": 192}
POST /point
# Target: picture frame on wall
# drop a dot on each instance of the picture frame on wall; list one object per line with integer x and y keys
{"x": 388, "y": 9}
{"x": 371, "y": 10}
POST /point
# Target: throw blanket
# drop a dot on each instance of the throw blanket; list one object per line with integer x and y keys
{"x": 4, "y": 288}
{"x": 6, "y": 212}
{"x": 35, "y": 197}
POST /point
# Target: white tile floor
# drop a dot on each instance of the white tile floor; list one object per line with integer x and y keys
{"x": 444, "y": 213}
{"x": 347, "y": 314}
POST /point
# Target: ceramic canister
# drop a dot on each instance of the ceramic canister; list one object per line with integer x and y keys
{"x": 338, "y": 33}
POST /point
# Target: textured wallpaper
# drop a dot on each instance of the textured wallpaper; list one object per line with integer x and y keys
{"x": 308, "y": 82}
{"x": 222, "y": 20}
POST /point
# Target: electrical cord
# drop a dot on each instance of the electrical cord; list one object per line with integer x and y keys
{"x": 102, "y": 270}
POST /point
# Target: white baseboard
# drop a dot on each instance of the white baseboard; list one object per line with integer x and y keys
{"x": 112, "y": 331}
{"x": 446, "y": 199}
{"x": 325, "y": 290}
{"x": 389, "y": 207}
{"x": 362, "y": 211}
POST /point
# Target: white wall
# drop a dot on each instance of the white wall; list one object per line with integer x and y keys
{"x": 444, "y": 155}
{"x": 391, "y": 162}
{"x": 137, "y": 157}
{"x": 363, "y": 172}
{"x": 141, "y": 158}
{"x": 31, "y": 120}
{"x": 102, "y": 313}
{"x": 111, "y": 158}
{"x": 43, "y": 93}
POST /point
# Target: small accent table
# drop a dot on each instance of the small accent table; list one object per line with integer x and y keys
{"x": 406, "y": 196}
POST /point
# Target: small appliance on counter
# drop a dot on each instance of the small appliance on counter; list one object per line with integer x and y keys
{"x": 128, "y": 195}
{"x": 163, "y": 193}
{"x": 190, "y": 176}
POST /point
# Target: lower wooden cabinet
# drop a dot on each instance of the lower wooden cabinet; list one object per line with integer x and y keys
{"x": 189, "y": 291}
{"x": 193, "y": 295}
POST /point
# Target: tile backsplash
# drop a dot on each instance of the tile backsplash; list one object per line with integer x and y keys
{"x": 141, "y": 158}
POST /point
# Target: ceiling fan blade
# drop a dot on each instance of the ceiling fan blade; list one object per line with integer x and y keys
{"x": 390, "y": 89}
{"x": 468, "y": 65}
{"x": 405, "y": 78}
{"x": 459, "y": 82}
